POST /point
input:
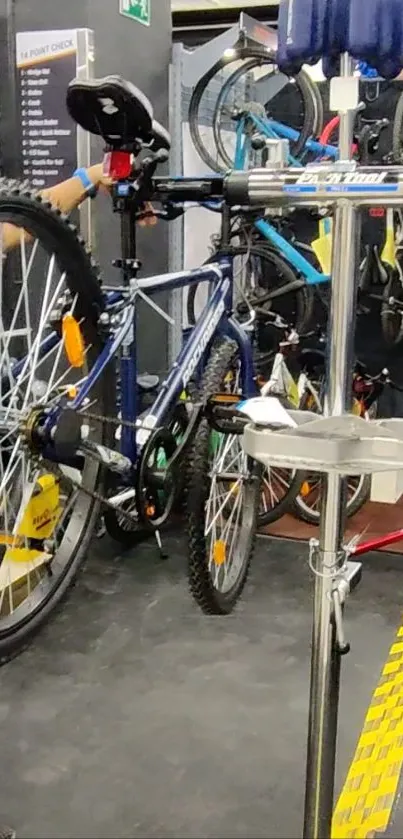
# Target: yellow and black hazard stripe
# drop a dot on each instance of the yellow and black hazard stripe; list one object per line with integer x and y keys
{"x": 366, "y": 801}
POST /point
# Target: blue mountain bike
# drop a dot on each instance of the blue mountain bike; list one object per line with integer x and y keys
{"x": 67, "y": 447}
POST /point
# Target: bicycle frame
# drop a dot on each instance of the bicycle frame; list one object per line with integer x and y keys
{"x": 311, "y": 275}
{"x": 282, "y": 382}
{"x": 215, "y": 319}
{"x": 273, "y": 130}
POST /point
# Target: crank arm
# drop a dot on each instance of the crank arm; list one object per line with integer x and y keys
{"x": 112, "y": 460}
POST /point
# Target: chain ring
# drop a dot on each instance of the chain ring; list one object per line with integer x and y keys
{"x": 147, "y": 496}
{"x": 133, "y": 520}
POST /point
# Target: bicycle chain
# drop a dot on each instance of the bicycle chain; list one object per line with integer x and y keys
{"x": 116, "y": 421}
{"x": 112, "y": 420}
{"x": 97, "y": 496}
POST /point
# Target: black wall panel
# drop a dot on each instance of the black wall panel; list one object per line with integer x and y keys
{"x": 142, "y": 55}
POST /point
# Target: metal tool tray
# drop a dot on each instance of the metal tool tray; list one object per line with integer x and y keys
{"x": 347, "y": 444}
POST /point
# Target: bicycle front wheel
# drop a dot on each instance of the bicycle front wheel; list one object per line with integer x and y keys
{"x": 47, "y": 511}
{"x": 222, "y": 503}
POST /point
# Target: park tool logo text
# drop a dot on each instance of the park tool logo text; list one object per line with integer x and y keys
{"x": 342, "y": 178}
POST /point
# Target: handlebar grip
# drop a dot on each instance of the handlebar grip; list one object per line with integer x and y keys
{"x": 189, "y": 189}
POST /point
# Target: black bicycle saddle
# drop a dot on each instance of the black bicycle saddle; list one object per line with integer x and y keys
{"x": 112, "y": 108}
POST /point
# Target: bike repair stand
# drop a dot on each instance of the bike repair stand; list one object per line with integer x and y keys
{"x": 328, "y": 557}
{"x": 336, "y": 444}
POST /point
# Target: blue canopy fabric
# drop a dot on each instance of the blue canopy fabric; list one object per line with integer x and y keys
{"x": 371, "y": 31}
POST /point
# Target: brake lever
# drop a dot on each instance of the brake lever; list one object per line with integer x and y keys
{"x": 169, "y": 213}
{"x": 143, "y": 182}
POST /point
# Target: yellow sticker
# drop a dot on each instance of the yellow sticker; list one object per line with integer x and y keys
{"x": 42, "y": 511}
{"x": 293, "y": 394}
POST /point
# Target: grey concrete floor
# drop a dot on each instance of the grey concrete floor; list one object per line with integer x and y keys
{"x": 133, "y": 715}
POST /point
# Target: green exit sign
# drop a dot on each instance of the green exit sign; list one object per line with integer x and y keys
{"x": 137, "y": 10}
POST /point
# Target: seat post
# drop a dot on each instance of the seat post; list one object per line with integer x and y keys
{"x": 129, "y": 262}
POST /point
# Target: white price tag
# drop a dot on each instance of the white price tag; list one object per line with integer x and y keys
{"x": 266, "y": 410}
{"x": 344, "y": 94}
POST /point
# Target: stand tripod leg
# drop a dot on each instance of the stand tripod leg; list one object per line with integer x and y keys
{"x": 325, "y": 670}
{"x": 325, "y": 664}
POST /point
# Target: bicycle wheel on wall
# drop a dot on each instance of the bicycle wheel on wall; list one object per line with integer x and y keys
{"x": 46, "y": 521}
{"x": 202, "y": 104}
{"x": 397, "y": 137}
{"x": 271, "y": 89}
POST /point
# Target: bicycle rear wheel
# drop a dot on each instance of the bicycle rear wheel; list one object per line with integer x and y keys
{"x": 261, "y": 57}
{"x": 47, "y": 514}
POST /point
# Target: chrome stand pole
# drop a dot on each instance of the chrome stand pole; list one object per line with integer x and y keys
{"x": 325, "y": 661}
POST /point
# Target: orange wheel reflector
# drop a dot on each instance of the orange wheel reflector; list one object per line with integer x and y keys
{"x": 73, "y": 341}
{"x": 219, "y": 552}
{"x": 305, "y": 489}
{"x": 150, "y": 511}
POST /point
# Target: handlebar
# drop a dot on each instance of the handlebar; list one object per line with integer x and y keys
{"x": 366, "y": 186}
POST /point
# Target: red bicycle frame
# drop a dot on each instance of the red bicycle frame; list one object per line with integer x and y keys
{"x": 376, "y": 544}
{"x": 329, "y": 129}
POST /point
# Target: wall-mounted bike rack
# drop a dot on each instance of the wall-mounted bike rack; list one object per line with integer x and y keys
{"x": 336, "y": 444}
{"x": 187, "y": 68}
